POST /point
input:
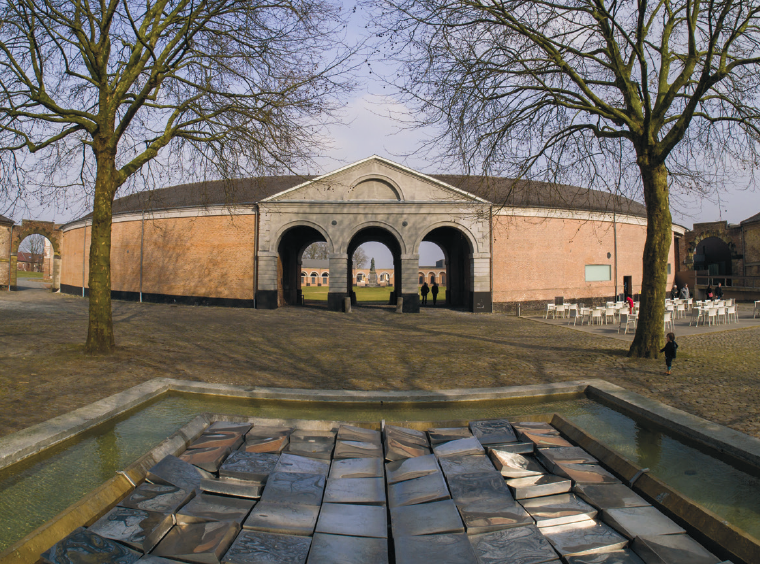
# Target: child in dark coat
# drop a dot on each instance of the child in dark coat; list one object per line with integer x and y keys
{"x": 670, "y": 350}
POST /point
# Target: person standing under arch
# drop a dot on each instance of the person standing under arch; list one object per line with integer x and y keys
{"x": 424, "y": 291}
{"x": 434, "y": 291}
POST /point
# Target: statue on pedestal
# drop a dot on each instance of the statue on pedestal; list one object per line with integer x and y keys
{"x": 372, "y": 280}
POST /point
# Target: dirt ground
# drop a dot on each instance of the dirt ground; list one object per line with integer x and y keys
{"x": 43, "y": 372}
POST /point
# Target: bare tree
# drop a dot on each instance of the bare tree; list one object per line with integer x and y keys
{"x": 222, "y": 86}
{"x": 33, "y": 244}
{"x": 360, "y": 258}
{"x": 316, "y": 251}
{"x": 550, "y": 89}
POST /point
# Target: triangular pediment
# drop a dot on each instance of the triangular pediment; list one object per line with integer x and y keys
{"x": 375, "y": 179}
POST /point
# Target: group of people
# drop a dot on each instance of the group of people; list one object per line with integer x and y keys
{"x": 425, "y": 290}
{"x": 716, "y": 294}
{"x": 684, "y": 294}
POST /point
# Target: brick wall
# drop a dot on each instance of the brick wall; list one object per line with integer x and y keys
{"x": 752, "y": 249}
{"x": 5, "y": 249}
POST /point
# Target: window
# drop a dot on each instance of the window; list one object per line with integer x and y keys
{"x": 359, "y": 277}
{"x": 324, "y": 278}
{"x": 598, "y": 272}
{"x": 432, "y": 278}
{"x": 668, "y": 268}
{"x": 303, "y": 278}
{"x": 422, "y": 278}
{"x": 443, "y": 279}
{"x": 313, "y": 277}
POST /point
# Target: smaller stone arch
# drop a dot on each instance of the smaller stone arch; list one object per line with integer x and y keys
{"x": 275, "y": 244}
{"x": 380, "y": 224}
{"x": 708, "y": 234}
{"x": 474, "y": 248}
{"x": 52, "y": 232}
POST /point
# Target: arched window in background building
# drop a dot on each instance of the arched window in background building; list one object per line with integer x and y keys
{"x": 422, "y": 279}
{"x": 443, "y": 279}
{"x": 313, "y": 278}
{"x": 324, "y": 278}
{"x": 303, "y": 278}
{"x": 432, "y": 277}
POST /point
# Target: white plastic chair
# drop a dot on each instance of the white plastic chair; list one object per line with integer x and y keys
{"x": 668, "y": 320}
{"x": 697, "y": 313}
{"x": 722, "y": 313}
{"x": 732, "y": 315}
{"x": 630, "y": 321}
{"x": 609, "y": 313}
{"x": 573, "y": 313}
{"x": 712, "y": 315}
{"x": 560, "y": 311}
{"x": 549, "y": 309}
{"x": 690, "y": 303}
{"x": 596, "y": 314}
{"x": 680, "y": 311}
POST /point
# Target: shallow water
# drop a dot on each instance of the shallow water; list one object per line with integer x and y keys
{"x": 36, "y": 490}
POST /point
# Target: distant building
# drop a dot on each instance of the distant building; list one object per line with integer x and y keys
{"x": 29, "y": 262}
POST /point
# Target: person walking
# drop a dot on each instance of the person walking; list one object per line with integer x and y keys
{"x": 709, "y": 292}
{"x": 674, "y": 292}
{"x": 434, "y": 291}
{"x": 424, "y": 291}
{"x": 670, "y": 351}
{"x": 719, "y": 291}
{"x": 685, "y": 292}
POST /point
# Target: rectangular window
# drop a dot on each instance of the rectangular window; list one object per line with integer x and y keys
{"x": 668, "y": 268}
{"x": 598, "y": 272}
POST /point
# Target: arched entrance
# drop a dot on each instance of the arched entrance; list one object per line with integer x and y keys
{"x": 457, "y": 252}
{"x": 713, "y": 255}
{"x": 378, "y": 235}
{"x": 49, "y": 231}
{"x": 290, "y": 275}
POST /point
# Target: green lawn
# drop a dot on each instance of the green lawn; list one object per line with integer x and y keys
{"x": 25, "y": 274}
{"x": 363, "y": 294}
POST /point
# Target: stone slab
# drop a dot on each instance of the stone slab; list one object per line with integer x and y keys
{"x": 624, "y": 556}
{"x": 396, "y": 449}
{"x": 294, "y": 463}
{"x": 208, "y": 459}
{"x": 302, "y": 489}
{"x": 445, "y": 434}
{"x": 138, "y": 529}
{"x": 585, "y": 473}
{"x": 357, "y": 449}
{"x": 352, "y": 433}
{"x": 151, "y": 559}
{"x": 250, "y": 466}
{"x": 549, "y": 457}
{"x": 583, "y": 537}
{"x": 437, "y": 517}
{"x": 340, "y": 549}
{"x": 410, "y": 468}
{"x": 207, "y": 507}
{"x": 511, "y": 465}
{"x": 268, "y": 432}
{"x": 515, "y": 448}
{"x": 233, "y": 487}
{"x": 558, "y": 510}
{"x": 204, "y": 543}
{"x": 313, "y": 448}
{"x": 545, "y": 441}
{"x": 537, "y": 427}
{"x": 407, "y": 435}
{"x": 525, "y": 545}
{"x": 459, "y": 447}
{"x": 158, "y": 498}
{"x": 353, "y": 520}
{"x": 452, "y": 548}
{"x": 273, "y": 445}
{"x": 418, "y": 490}
{"x": 288, "y": 519}
{"x": 493, "y": 514}
{"x": 537, "y": 486}
{"x": 217, "y": 440}
{"x": 367, "y": 491}
{"x": 357, "y": 468}
{"x": 258, "y": 547}
{"x": 493, "y": 431}
{"x": 229, "y": 427}
{"x": 640, "y": 522}
{"x": 313, "y": 435}
{"x": 672, "y": 549}
{"x": 478, "y": 486}
{"x": 85, "y": 546}
{"x": 609, "y": 496}
{"x": 466, "y": 464}
{"x": 172, "y": 471}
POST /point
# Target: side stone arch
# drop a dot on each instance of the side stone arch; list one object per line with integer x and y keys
{"x": 709, "y": 234}
{"x": 474, "y": 247}
{"x": 52, "y": 232}
{"x": 275, "y": 241}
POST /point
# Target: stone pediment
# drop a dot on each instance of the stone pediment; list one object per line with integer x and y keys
{"x": 374, "y": 179}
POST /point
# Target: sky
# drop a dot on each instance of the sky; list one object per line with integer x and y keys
{"x": 369, "y": 128}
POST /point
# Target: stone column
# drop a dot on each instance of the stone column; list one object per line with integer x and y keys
{"x": 266, "y": 295}
{"x": 56, "y": 272}
{"x": 338, "y": 281}
{"x": 482, "y": 297}
{"x": 409, "y": 286}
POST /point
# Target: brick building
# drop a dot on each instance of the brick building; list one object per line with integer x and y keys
{"x": 240, "y": 243}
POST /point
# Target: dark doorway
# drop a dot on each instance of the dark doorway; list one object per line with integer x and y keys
{"x": 458, "y": 256}
{"x": 627, "y": 286}
{"x": 714, "y": 256}
{"x": 289, "y": 272}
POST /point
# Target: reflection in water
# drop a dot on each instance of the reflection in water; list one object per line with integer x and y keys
{"x": 648, "y": 446}
{"x": 108, "y": 454}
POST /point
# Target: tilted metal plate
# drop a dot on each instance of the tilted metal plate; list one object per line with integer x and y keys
{"x": 451, "y": 548}
{"x": 640, "y": 522}
{"x": 85, "y": 546}
{"x": 419, "y": 490}
{"x": 525, "y": 545}
{"x": 465, "y": 464}
{"x": 340, "y": 549}
{"x": 537, "y": 486}
{"x": 368, "y": 491}
{"x": 248, "y": 466}
{"x": 286, "y": 487}
{"x": 258, "y": 547}
{"x": 138, "y": 529}
{"x": 459, "y": 447}
{"x": 410, "y": 468}
{"x": 283, "y": 518}
{"x": 609, "y": 496}
{"x": 672, "y": 549}
{"x": 558, "y": 509}
{"x": 159, "y": 498}
{"x": 294, "y": 463}
{"x": 511, "y": 465}
{"x": 233, "y": 487}
{"x": 204, "y": 543}
{"x": 493, "y": 431}
{"x": 206, "y": 507}
{"x": 584, "y": 537}
{"x": 425, "y": 519}
{"x": 357, "y": 468}
{"x": 353, "y": 520}
{"x": 172, "y": 471}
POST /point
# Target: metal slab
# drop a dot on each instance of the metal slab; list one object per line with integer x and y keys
{"x": 558, "y": 510}
{"x": 273, "y": 445}
{"x": 398, "y": 450}
{"x": 264, "y": 432}
{"x": 515, "y": 448}
{"x": 357, "y": 449}
{"x": 286, "y": 487}
{"x": 511, "y": 465}
{"x": 351, "y": 433}
{"x": 322, "y": 448}
{"x": 217, "y": 440}
{"x": 446, "y": 434}
{"x": 172, "y": 471}
{"x": 537, "y": 427}
{"x": 229, "y": 427}
{"x": 545, "y": 441}
{"x": 625, "y": 556}
{"x": 478, "y": 486}
{"x": 138, "y": 529}
{"x": 419, "y": 490}
{"x": 158, "y": 498}
{"x": 339, "y": 549}
{"x": 524, "y": 545}
{"x": 537, "y": 486}
{"x": 549, "y": 457}
{"x": 609, "y": 496}
{"x": 151, "y": 559}
{"x": 493, "y": 514}
{"x": 357, "y": 468}
{"x": 465, "y": 464}
{"x": 410, "y": 468}
{"x": 294, "y": 463}
{"x": 583, "y": 537}
{"x": 459, "y": 447}
{"x": 233, "y": 487}
{"x": 207, "y": 507}
{"x": 407, "y": 435}
{"x": 85, "y": 546}
{"x": 353, "y": 520}
{"x": 425, "y": 519}
{"x": 288, "y": 519}
{"x": 585, "y": 473}
{"x": 493, "y": 431}
{"x": 256, "y": 547}
{"x": 672, "y": 549}
{"x": 640, "y": 522}
{"x": 248, "y": 466}
{"x": 452, "y": 548}
{"x": 209, "y": 459}
{"x": 204, "y": 543}
{"x": 368, "y": 491}
{"x": 312, "y": 435}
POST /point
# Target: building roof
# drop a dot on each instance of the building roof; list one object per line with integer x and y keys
{"x": 754, "y": 219}
{"x": 5, "y": 221}
{"x": 28, "y": 257}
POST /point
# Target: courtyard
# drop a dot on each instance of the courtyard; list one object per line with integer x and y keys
{"x": 43, "y": 372}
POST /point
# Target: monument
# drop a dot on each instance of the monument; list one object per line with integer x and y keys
{"x": 372, "y": 280}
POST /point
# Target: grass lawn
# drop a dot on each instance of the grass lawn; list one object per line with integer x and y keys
{"x": 363, "y": 294}
{"x": 25, "y": 274}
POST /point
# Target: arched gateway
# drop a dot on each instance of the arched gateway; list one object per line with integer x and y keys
{"x": 240, "y": 243}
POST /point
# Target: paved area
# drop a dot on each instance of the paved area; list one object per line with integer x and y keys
{"x": 43, "y": 372}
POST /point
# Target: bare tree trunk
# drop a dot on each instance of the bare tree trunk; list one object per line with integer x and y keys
{"x": 650, "y": 330}
{"x": 100, "y": 337}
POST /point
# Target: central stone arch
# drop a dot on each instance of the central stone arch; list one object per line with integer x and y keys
{"x": 51, "y": 232}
